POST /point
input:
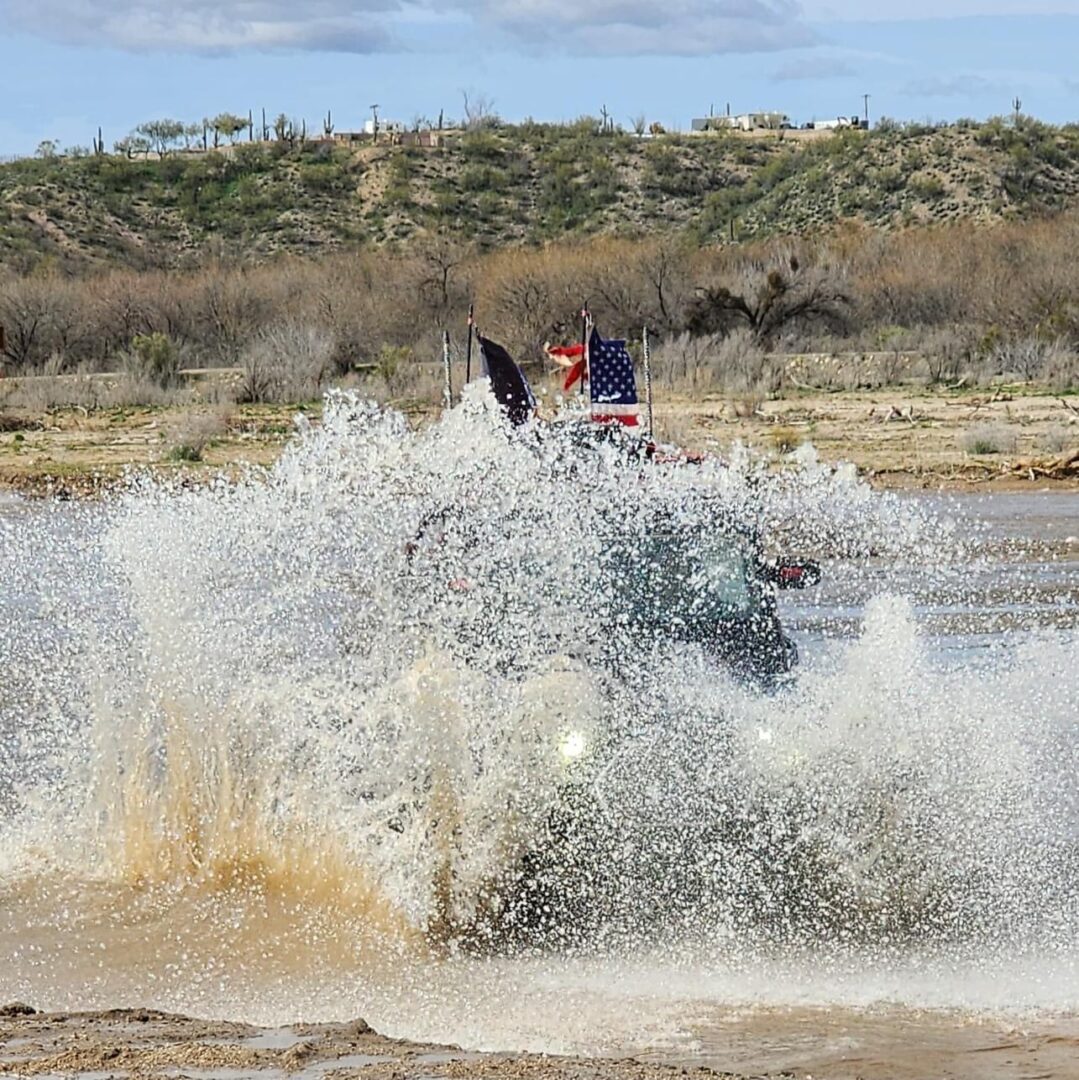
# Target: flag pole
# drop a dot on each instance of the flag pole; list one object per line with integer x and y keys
{"x": 468, "y": 348}
{"x": 646, "y": 348}
{"x": 586, "y": 375}
{"x": 447, "y": 383}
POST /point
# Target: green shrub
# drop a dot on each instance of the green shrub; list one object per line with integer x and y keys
{"x": 664, "y": 173}
{"x": 183, "y": 452}
{"x": 326, "y": 177}
{"x": 930, "y": 188}
{"x": 602, "y": 182}
{"x": 390, "y": 360}
{"x": 397, "y": 195}
{"x": 489, "y": 206}
{"x": 562, "y": 200}
{"x": 448, "y": 204}
{"x": 480, "y": 178}
{"x": 120, "y": 174}
{"x": 726, "y": 204}
{"x": 482, "y": 147}
{"x": 171, "y": 169}
{"x": 889, "y": 179}
{"x": 403, "y": 166}
{"x": 252, "y": 157}
{"x": 988, "y": 439}
{"x": 154, "y": 357}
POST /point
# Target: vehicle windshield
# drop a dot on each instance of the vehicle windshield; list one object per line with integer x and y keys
{"x": 691, "y": 580}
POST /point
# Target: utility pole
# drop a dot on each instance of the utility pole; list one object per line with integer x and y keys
{"x": 865, "y": 102}
{"x": 374, "y": 113}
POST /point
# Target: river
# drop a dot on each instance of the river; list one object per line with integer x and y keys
{"x": 212, "y": 805}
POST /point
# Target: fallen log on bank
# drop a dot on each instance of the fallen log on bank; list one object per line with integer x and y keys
{"x": 1062, "y": 467}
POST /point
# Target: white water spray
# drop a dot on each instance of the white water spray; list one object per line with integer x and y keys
{"x": 325, "y": 710}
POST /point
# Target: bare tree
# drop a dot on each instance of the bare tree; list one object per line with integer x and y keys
{"x": 287, "y": 361}
{"x": 639, "y": 124}
{"x": 665, "y": 268}
{"x": 43, "y": 316}
{"x": 440, "y": 257}
{"x": 769, "y": 297}
{"x": 479, "y": 110}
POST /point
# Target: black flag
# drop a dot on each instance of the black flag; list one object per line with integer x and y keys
{"x": 508, "y": 382}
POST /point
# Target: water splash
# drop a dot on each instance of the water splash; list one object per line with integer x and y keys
{"x": 327, "y": 704}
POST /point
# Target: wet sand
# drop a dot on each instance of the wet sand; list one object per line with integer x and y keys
{"x": 882, "y": 1044}
{"x": 93, "y": 1046}
{"x": 891, "y": 1044}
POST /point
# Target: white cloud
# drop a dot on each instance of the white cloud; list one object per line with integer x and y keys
{"x": 674, "y": 27}
{"x": 606, "y": 27}
{"x": 610, "y": 27}
{"x": 860, "y": 11}
{"x": 205, "y": 25}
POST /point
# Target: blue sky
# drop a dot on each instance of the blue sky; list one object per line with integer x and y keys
{"x": 67, "y": 66}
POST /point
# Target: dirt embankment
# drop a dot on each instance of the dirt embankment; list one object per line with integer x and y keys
{"x": 905, "y": 437}
{"x": 145, "y": 1043}
{"x": 830, "y": 1044}
{"x": 895, "y": 437}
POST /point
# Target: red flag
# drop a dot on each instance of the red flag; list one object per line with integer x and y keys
{"x": 571, "y": 357}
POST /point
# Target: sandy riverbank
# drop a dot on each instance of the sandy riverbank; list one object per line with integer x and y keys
{"x": 873, "y": 1044}
{"x": 897, "y": 439}
{"x": 145, "y": 1043}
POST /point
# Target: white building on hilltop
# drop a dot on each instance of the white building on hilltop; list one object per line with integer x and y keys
{"x": 385, "y": 127}
{"x": 752, "y": 121}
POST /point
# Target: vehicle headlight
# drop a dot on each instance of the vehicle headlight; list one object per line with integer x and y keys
{"x": 572, "y": 745}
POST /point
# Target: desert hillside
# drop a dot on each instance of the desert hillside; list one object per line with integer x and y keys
{"x": 522, "y": 184}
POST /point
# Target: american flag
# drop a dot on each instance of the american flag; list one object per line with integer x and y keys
{"x": 614, "y": 392}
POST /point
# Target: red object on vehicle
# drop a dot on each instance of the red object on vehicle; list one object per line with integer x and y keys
{"x": 674, "y": 455}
